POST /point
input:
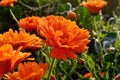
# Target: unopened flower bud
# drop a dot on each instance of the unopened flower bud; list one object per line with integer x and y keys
{"x": 71, "y": 14}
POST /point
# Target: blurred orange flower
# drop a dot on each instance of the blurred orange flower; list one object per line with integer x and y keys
{"x": 117, "y": 77}
{"x": 29, "y": 71}
{"x": 29, "y": 23}
{"x": 88, "y": 75}
{"x": 9, "y": 58}
{"x": 20, "y": 39}
{"x": 7, "y": 3}
{"x": 94, "y": 6}
{"x": 52, "y": 77}
{"x": 64, "y": 36}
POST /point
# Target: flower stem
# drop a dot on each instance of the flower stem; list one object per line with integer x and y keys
{"x": 95, "y": 27}
{"x": 98, "y": 37}
{"x": 13, "y": 16}
{"x": 50, "y": 69}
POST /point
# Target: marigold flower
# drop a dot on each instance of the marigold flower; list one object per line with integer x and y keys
{"x": 7, "y": 3}
{"x": 94, "y": 6}
{"x": 29, "y": 23}
{"x": 64, "y": 36}
{"x": 20, "y": 39}
{"x": 29, "y": 71}
{"x": 10, "y": 58}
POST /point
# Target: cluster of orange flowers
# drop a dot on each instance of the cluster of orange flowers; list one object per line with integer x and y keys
{"x": 11, "y": 43}
{"x": 63, "y": 35}
{"x": 10, "y": 56}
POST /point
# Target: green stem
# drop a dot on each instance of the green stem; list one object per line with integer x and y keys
{"x": 98, "y": 37}
{"x": 13, "y": 16}
{"x": 95, "y": 27}
{"x": 50, "y": 69}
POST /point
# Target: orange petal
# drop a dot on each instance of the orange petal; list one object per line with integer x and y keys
{"x": 58, "y": 53}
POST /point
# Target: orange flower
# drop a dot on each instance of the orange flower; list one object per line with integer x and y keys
{"x": 102, "y": 74}
{"x": 29, "y": 71}
{"x": 64, "y": 36}
{"x": 10, "y": 58}
{"x": 29, "y": 23}
{"x": 7, "y": 3}
{"x": 20, "y": 39}
{"x": 94, "y": 6}
{"x": 88, "y": 75}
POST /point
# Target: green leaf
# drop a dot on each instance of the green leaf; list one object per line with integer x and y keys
{"x": 88, "y": 61}
{"x": 117, "y": 43}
